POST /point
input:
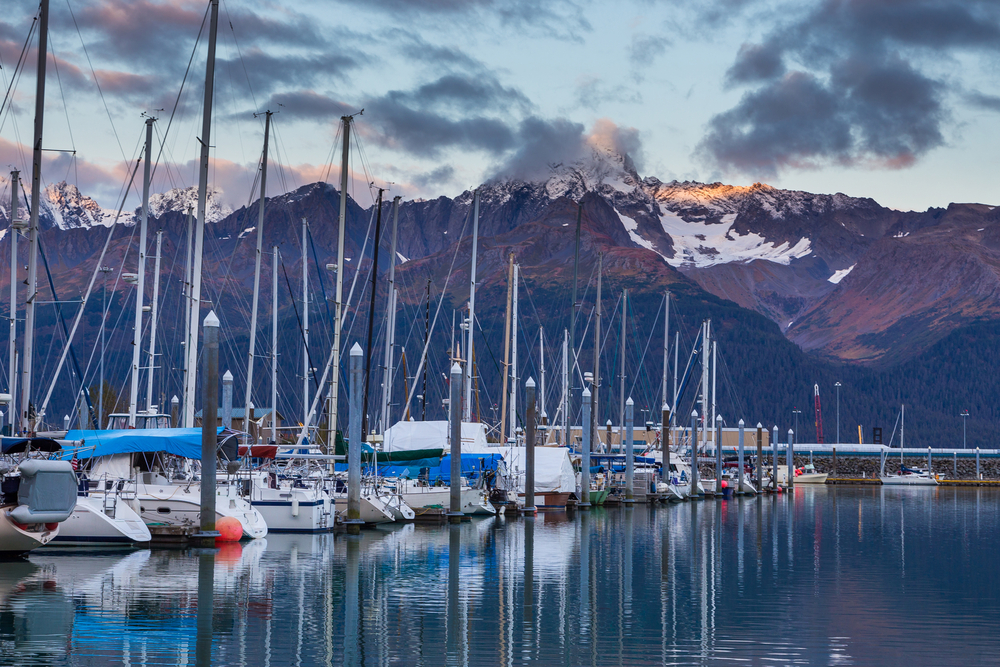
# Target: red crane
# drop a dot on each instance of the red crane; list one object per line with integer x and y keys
{"x": 819, "y": 416}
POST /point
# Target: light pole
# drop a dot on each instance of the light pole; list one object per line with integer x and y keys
{"x": 964, "y": 414}
{"x": 837, "y": 385}
{"x": 796, "y": 412}
{"x": 104, "y": 309}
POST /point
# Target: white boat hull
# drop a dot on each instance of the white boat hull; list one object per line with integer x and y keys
{"x": 93, "y": 523}
{"x": 16, "y": 539}
{"x": 909, "y": 480}
{"x": 812, "y": 478}
{"x": 397, "y": 507}
{"x": 373, "y": 510}
{"x": 180, "y": 505}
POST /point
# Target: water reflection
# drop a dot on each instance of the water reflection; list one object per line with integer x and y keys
{"x": 752, "y": 579}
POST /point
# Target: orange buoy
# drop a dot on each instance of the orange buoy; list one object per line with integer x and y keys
{"x": 725, "y": 484}
{"x": 230, "y": 529}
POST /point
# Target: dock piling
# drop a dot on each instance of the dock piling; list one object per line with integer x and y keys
{"x": 930, "y": 472}
{"x": 227, "y": 400}
{"x": 790, "y": 460}
{"x": 209, "y": 431}
{"x": 978, "y": 474}
{"x": 629, "y": 451}
{"x": 529, "y": 448}
{"x": 759, "y": 467}
{"x": 718, "y": 456}
{"x": 585, "y": 449}
{"x": 354, "y": 443}
{"x": 774, "y": 460}
{"x": 455, "y": 407}
{"x": 739, "y": 475}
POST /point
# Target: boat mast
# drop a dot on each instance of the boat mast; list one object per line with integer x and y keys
{"x": 715, "y": 370}
{"x": 565, "y": 388}
{"x": 621, "y": 405}
{"x": 140, "y": 287}
{"x": 541, "y": 398}
{"x": 274, "y": 345}
{"x": 305, "y": 324}
{"x": 199, "y": 237}
{"x": 512, "y": 427}
{"x": 666, "y": 354}
{"x": 677, "y": 348}
{"x": 371, "y": 317}
{"x": 594, "y": 419}
{"x": 467, "y": 407}
{"x": 12, "y": 352}
{"x": 506, "y": 345}
{"x": 152, "y": 324}
{"x": 187, "y": 297}
{"x": 339, "y": 297}
{"x": 390, "y": 338}
{"x": 902, "y": 436}
{"x": 247, "y": 416}
{"x": 36, "y": 200}
{"x": 705, "y": 346}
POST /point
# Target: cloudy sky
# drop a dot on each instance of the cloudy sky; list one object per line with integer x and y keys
{"x": 893, "y": 99}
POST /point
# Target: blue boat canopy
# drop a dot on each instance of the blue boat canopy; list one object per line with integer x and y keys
{"x": 184, "y": 442}
{"x": 15, "y": 445}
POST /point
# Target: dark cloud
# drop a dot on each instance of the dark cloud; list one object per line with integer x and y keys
{"x": 269, "y": 72}
{"x": 756, "y": 62}
{"x": 984, "y": 101}
{"x": 541, "y": 146}
{"x": 861, "y": 71}
{"x": 787, "y": 122}
{"x": 437, "y": 177}
{"x": 307, "y": 105}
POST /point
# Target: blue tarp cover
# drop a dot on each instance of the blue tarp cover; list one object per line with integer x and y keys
{"x": 184, "y": 442}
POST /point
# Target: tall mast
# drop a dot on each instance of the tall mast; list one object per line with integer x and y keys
{"x": 677, "y": 347}
{"x": 12, "y": 353}
{"x": 256, "y": 270}
{"x": 705, "y": 343}
{"x": 371, "y": 317}
{"x": 152, "y": 324}
{"x": 199, "y": 237}
{"x": 274, "y": 344}
{"x": 621, "y": 405}
{"x": 140, "y": 287}
{"x": 573, "y": 308}
{"x": 467, "y": 406}
{"x": 666, "y": 354}
{"x": 512, "y": 428}
{"x": 338, "y": 304}
{"x": 187, "y": 297}
{"x": 390, "y": 338}
{"x": 305, "y": 323}
{"x": 36, "y": 200}
{"x": 594, "y": 418}
{"x": 715, "y": 370}
{"x": 565, "y": 388}
{"x": 506, "y": 345}
{"x": 541, "y": 399}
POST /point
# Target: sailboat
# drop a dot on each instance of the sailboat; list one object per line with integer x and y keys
{"x": 907, "y": 476}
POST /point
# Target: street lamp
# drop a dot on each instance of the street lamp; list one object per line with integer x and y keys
{"x": 837, "y": 385}
{"x": 964, "y": 414}
{"x": 796, "y": 412}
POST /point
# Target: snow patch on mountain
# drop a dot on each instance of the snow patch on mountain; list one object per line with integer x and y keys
{"x": 631, "y": 226}
{"x": 63, "y": 206}
{"x": 182, "y": 200}
{"x": 840, "y": 275}
{"x": 700, "y": 244}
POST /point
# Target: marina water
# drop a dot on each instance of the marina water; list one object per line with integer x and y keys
{"x": 824, "y": 576}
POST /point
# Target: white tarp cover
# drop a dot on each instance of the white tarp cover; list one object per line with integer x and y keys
{"x": 553, "y": 468}
{"x": 408, "y": 436}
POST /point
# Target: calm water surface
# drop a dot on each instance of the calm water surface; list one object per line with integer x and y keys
{"x": 860, "y": 576}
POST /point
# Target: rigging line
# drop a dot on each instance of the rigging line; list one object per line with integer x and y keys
{"x": 239, "y": 52}
{"x": 62, "y": 322}
{"x": 333, "y": 152}
{"x": 62, "y": 94}
{"x": 648, "y": 340}
{"x": 19, "y": 67}
{"x": 322, "y": 288}
{"x": 90, "y": 286}
{"x": 298, "y": 321}
{"x": 437, "y": 311}
{"x": 97, "y": 83}
{"x": 180, "y": 92}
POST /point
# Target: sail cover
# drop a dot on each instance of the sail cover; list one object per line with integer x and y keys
{"x": 184, "y": 442}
